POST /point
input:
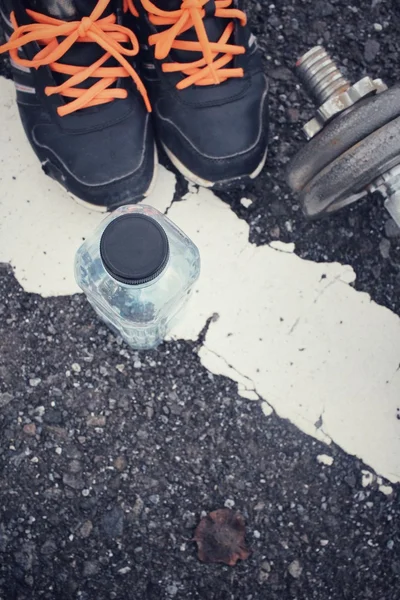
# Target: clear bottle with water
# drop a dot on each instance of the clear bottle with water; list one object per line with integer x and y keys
{"x": 137, "y": 271}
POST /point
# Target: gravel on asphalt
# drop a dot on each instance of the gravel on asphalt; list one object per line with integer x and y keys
{"x": 109, "y": 458}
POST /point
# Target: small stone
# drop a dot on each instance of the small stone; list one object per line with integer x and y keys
{"x": 34, "y": 382}
{"x": 275, "y": 232}
{"x": 246, "y": 202}
{"x": 76, "y": 367}
{"x": 281, "y": 73}
{"x": 58, "y": 450}
{"x": 154, "y": 499}
{"x": 265, "y": 570}
{"x": 266, "y": 408}
{"x": 53, "y": 417}
{"x": 384, "y": 248}
{"x": 371, "y": 50}
{"x": 96, "y": 421}
{"x": 172, "y": 590}
{"x": 189, "y": 519}
{"x": 257, "y": 534}
{"x": 324, "y": 8}
{"x": 324, "y": 459}
{"x": 360, "y": 496}
{"x": 390, "y": 545}
{"x": 26, "y": 556}
{"x": 137, "y": 364}
{"x": 289, "y": 226}
{"x": 137, "y": 507}
{"x": 73, "y": 481}
{"x": 90, "y": 568}
{"x": 5, "y": 399}
{"x": 123, "y": 402}
{"x": 265, "y": 566}
{"x": 59, "y": 432}
{"x": 121, "y": 369}
{"x": 229, "y": 503}
{"x": 305, "y": 539}
{"x": 350, "y": 480}
{"x": 124, "y": 570}
{"x": 49, "y": 548}
{"x": 324, "y": 542}
{"x": 366, "y": 478}
{"x": 263, "y": 576}
{"x": 120, "y": 463}
{"x": 86, "y": 529}
{"x": 75, "y": 466}
{"x": 85, "y": 492}
{"x": 392, "y": 230}
{"x": 387, "y": 490}
{"x": 295, "y": 569}
{"x": 30, "y": 429}
{"x": 378, "y": 27}
{"x": 113, "y": 522}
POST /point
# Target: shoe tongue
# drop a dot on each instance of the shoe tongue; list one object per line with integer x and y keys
{"x": 67, "y": 10}
{"x": 213, "y": 25}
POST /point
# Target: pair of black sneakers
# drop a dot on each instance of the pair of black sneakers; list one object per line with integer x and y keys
{"x": 98, "y": 80}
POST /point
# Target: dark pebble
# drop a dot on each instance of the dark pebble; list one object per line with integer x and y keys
{"x": 112, "y": 522}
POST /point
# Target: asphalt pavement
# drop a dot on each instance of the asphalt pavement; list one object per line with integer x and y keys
{"x": 108, "y": 457}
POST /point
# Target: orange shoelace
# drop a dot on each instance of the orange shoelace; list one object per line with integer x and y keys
{"x": 128, "y": 5}
{"x": 216, "y": 55}
{"x": 103, "y": 31}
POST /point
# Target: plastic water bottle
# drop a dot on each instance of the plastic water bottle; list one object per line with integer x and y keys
{"x": 137, "y": 271}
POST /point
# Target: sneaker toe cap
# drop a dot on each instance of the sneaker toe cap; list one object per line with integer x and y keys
{"x": 220, "y": 142}
{"x": 108, "y": 167}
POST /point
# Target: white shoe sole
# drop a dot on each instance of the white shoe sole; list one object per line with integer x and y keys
{"x": 193, "y": 178}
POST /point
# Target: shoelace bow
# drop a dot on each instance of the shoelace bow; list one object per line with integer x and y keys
{"x": 216, "y": 55}
{"x": 103, "y": 31}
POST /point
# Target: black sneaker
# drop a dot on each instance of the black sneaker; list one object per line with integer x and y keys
{"x": 85, "y": 112}
{"x": 209, "y": 94}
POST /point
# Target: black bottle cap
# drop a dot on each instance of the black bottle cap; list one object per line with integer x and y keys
{"x": 134, "y": 248}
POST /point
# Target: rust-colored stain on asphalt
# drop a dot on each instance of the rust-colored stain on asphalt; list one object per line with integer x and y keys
{"x": 220, "y": 537}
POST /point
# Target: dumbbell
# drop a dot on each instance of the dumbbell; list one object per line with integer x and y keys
{"x": 353, "y": 146}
